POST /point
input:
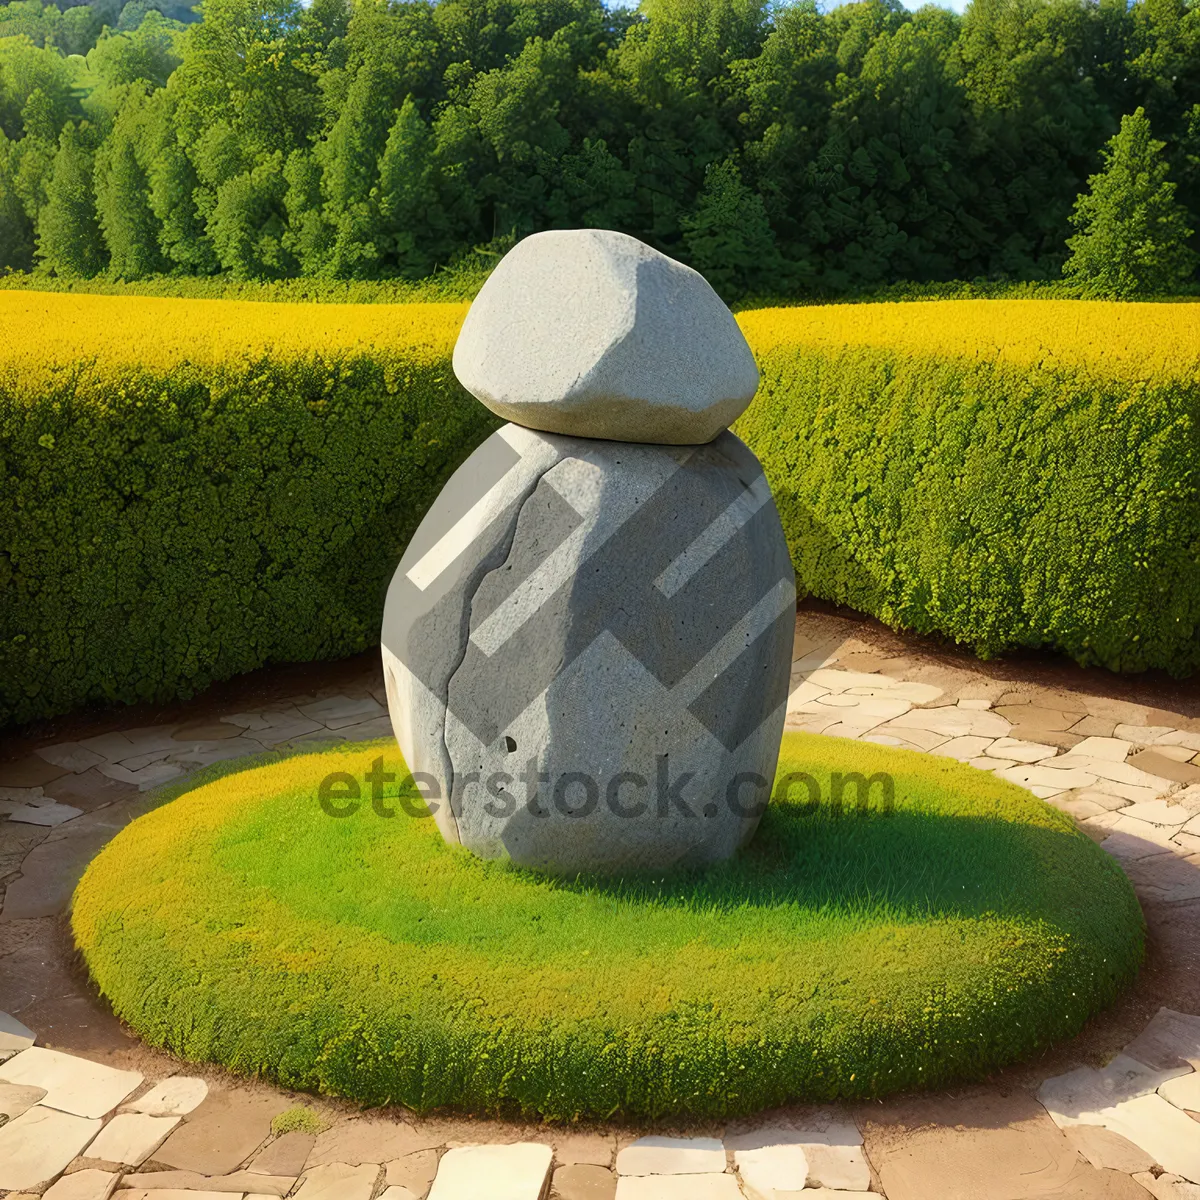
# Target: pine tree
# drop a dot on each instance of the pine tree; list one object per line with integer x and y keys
{"x": 68, "y": 233}
{"x": 1132, "y": 238}
{"x": 407, "y": 196}
{"x": 728, "y": 235}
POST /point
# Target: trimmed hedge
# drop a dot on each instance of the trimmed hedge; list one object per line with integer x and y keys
{"x": 853, "y": 949}
{"x": 167, "y": 526}
{"x": 1044, "y": 494}
{"x": 193, "y": 489}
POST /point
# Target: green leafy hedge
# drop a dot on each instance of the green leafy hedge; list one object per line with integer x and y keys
{"x": 999, "y": 505}
{"x": 189, "y": 524}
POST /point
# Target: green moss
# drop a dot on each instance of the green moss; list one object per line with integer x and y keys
{"x": 298, "y": 1119}
{"x": 845, "y": 953}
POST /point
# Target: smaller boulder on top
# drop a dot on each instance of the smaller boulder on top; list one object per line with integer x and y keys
{"x": 592, "y": 333}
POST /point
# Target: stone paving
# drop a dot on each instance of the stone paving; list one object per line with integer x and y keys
{"x": 87, "y": 1112}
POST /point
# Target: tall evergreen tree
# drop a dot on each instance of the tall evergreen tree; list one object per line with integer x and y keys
{"x": 68, "y": 232}
{"x": 123, "y": 201}
{"x": 728, "y": 236}
{"x": 1132, "y": 238}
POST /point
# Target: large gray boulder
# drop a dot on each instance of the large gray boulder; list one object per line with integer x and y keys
{"x": 587, "y": 647}
{"x": 592, "y": 333}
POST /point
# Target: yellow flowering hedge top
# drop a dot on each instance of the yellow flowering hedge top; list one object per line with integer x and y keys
{"x": 853, "y": 949}
{"x": 52, "y": 330}
{"x": 1130, "y": 340}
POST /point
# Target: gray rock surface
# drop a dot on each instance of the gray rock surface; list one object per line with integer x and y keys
{"x": 592, "y": 333}
{"x": 586, "y": 644}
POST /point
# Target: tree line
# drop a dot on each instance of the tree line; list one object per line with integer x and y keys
{"x": 776, "y": 147}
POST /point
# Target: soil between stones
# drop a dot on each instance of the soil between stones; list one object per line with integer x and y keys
{"x": 854, "y": 948}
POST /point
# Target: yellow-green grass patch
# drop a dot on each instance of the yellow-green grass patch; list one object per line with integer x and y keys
{"x": 848, "y": 952}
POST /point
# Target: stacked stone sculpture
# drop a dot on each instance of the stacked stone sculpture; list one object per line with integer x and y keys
{"x": 587, "y": 642}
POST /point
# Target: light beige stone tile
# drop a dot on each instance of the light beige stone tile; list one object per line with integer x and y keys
{"x": 16, "y": 1098}
{"x": 1162, "y": 1130}
{"x": 393, "y": 1192}
{"x": 1159, "y": 812}
{"x": 222, "y": 1132}
{"x": 513, "y": 1172}
{"x": 1108, "y": 748}
{"x": 414, "y": 1171}
{"x": 369, "y": 1140}
{"x": 679, "y": 1187}
{"x": 1143, "y": 735}
{"x": 1118, "y": 772}
{"x": 920, "y": 739}
{"x": 90, "y": 1184}
{"x": 237, "y": 1182}
{"x": 977, "y": 703}
{"x": 1079, "y": 1096}
{"x": 671, "y": 1156}
{"x": 73, "y": 1085}
{"x": 1052, "y": 779}
{"x": 991, "y": 764}
{"x": 814, "y": 660}
{"x": 1189, "y": 843}
{"x": 172, "y": 1097}
{"x": 915, "y": 693}
{"x": 1107, "y": 1151}
{"x": 1153, "y": 762}
{"x": 1130, "y": 838}
{"x": 804, "y": 693}
{"x": 131, "y": 1138}
{"x": 1167, "y": 1187}
{"x": 287, "y": 1155}
{"x": 340, "y": 1181}
{"x": 38, "y": 1145}
{"x": 1183, "y": 1092}
{"x": 1179, "y": 737}
{"x": 1125, "y": 791}
{"x": 1020, "y": 752}
{"x": 1171, "y": 1039}
{"x": 770, "y": 1170}
{"x": 1179, "y": 754}
{"x": 172, "y": 1194}
{"x": 953, "y": 722}
{"x": 965, "y": 748}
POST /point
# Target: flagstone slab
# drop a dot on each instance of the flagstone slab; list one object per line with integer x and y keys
{"x": 1143, "y": 735}
{"x": 337, "y": 711}
{"x": 140, "y": 1193}
{"x": 583, "y": 1181}
{"x": 1053, "y": 780}
{"x": 1170, "y": 1040}
{"x": 414, "y": 1171}
{"x": 1165, "y": 876}
{"x": 73, "y": 1085}
{"x": 513, "y": 1172}
{"x": 1106, "y": 1150}
{"x": 1130, "y": 838}
{"x": 1183, "y": 1092}
{"x": 71, "y": 756}
{"x": 16, "y": 1098}
{"x": 966, "y": 748}
{"x": 1034, "y": 716}
{"x": 671, "y": 1156}
{"x": 89, "y": 1184}
{"x": 38, "y": 1145}
{"x": 1019, "y": 751}
{"x": 204, "y": 754}
{"x": 43, "y": 814}
{"x": 709, "y": 1186}
{"x": 369, "y": 1140}
{"x": 287, "y": 1155}
{"x": 146, "y": 777}
{"x": 1180, "y": 737}
{"x": 953, "y": 722}
{"x": 1159, "y": 812}
{"x": 131, "y": 1138}
{"x": 172, "y": 1097}
{"x": 88, "y": 791}
{"x": 1165, "y": 1132}
{"x": 394, "y": 1192}
{"x": 767, "y": 1171}
{"x": 221, "y": 1133}
{"x": 1110, "y": 749}
{"x": 1117, "y": 772}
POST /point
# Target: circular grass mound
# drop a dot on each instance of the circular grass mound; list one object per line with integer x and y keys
{"x": 851, "y": 950}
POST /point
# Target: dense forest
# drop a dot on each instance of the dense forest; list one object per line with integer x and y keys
{"x": 776, "y": 147}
